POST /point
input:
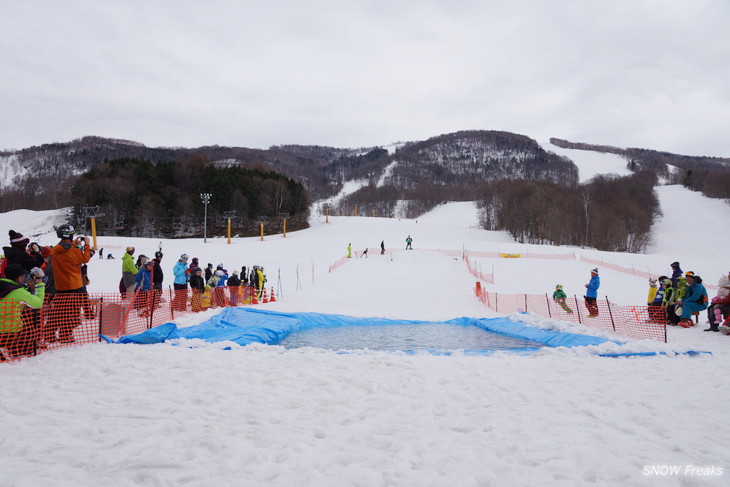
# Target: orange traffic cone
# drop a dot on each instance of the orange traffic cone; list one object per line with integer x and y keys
{"x": 254, "y": 297}
{"x": 266, "y": 296}
{"x": 273, "y": 297}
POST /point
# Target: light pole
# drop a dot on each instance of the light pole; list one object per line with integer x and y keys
{"x": 205, "y": 198}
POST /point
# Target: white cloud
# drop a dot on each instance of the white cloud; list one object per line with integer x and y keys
{"x": 642, "y": 73}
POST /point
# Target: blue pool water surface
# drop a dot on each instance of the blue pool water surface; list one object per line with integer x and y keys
{"x": 432, "y": 337}
{"x": 244, "y": 326}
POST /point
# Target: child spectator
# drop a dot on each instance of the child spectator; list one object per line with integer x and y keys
{"x": 719, "y": 308}
{"x": 654, "y": 301}
{"x": 197, "y": 287}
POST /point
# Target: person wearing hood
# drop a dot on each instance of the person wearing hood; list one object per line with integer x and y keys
{"x": 695, "y": 299}
{"x": 654, "y": 300}
{"x": 16, "y": 338}
{"x": 719, "y": 308}
{"x": 676, "y": 272}
{"x": 68, "y": 256}
{"x": 591, "y": 295}
{"x": 22, "y": 252}
{"x": 197, "y": 288}
{"x": 143, "y": 286}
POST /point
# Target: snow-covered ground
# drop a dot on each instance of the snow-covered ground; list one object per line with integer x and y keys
{"x": 162, "y": 415}
{"x": 591, "y": 163}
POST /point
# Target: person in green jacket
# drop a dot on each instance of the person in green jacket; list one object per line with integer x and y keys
{"x": 14, "y": 297}
{"x": 559, "y": 297}
{"x": 129, "y": 272}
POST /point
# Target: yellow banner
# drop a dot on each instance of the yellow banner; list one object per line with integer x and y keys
{"x": 509, "y": 256}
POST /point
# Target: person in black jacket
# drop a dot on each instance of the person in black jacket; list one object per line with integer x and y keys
{"x": 157, "y": 277}
{"x": 17, "y": 253}
{"x": 234, "y": 287}
{"x": 197, "y": 285}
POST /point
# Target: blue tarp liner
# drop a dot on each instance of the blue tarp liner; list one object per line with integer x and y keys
{"x": 245, "y": 325}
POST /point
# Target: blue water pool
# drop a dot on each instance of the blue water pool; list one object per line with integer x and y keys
{"x": 244, "y": 326}
{"x": 432, "y": 337}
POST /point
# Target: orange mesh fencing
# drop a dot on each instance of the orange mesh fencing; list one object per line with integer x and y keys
{"x": 338, "y": 263}
{"x": 641, "y": 322}
{"x": 68, "y": 319}
{"x": 475, "y": 270}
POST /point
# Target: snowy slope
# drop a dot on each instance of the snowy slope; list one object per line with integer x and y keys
{"x": 591, "y": 163}
{"x": 170, "y": 415}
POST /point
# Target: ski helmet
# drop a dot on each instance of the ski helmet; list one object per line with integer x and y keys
{"x": 130, "y": 250}
{"x": 184, "y": 257}
{"x": 65, "y": 231}
{"x": 158, "y": 255}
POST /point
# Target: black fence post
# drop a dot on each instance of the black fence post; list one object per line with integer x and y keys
{"x": 610, "y": 314}
{"x": 577, "y": 309}
{"x": 100, "y": 314}
{"x": 547, "y": 298}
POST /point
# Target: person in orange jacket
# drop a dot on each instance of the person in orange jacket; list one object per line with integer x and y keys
{"x": 68, "y": 256}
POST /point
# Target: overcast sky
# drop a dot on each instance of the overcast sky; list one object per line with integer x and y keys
{"x": 628, "y": 73}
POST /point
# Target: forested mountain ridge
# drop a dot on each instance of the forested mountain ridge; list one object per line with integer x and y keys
{"x": 709, "y": 175}
{"x": 511, "y": 175}
{"x": 445, "y": 160}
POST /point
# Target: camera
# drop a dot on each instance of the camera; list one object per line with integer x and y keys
{"x": 34, "y": 275}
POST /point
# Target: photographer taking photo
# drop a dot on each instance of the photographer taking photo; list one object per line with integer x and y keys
{"x": 67, "y": 260}
{"x": 16, "y": 338}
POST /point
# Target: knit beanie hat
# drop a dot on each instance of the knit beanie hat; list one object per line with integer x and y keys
{"x": 594, "y": 271}
{"x": 17, "y": 240}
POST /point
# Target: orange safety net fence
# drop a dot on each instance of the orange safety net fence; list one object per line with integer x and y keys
{"x": 67, "y": 319}
{"x": 641, "y": 322}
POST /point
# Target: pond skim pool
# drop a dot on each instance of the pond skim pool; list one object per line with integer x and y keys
{"x": 244, "y": 326}
{"x": 430, "y": 337}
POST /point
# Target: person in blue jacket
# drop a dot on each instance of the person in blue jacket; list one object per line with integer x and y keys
{"x": 592, "y": 294}
{"x": 143, "y": 284}
{"x": 695, "y": 299}
{"x": 180, "y": 283}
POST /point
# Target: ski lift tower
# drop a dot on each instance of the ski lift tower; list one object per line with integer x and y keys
{"x": 262, "y": 222}
{"x": 284, "y": 216}
{"x": 229, "y": 215}
{"x": 92, "y": 212}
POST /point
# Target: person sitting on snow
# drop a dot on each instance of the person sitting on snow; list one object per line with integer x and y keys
{"x": 654, "y": 300}
{"x": 676, "y": 273}
{"x": 719, "y": 308}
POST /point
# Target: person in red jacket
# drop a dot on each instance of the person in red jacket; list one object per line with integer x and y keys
{"x": 68, "y": 256}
